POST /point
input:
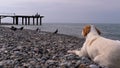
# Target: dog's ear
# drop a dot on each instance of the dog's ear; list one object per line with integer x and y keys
{"x": 86, "y": 30}
{"x": 98, "y": 31}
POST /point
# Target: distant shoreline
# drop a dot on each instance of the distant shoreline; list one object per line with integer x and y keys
{"x": 108, "y": 30}
{"x": 6, "y": 24}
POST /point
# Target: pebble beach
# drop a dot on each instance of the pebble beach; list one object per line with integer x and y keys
{"x": 39, "y": 49}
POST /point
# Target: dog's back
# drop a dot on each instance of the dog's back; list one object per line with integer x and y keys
{"x": 108, "y": 52}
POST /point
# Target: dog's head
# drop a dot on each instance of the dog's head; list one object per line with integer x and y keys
{"x": 88, "y": 28}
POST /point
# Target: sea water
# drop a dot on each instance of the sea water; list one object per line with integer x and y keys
{"x": 108, "y": 30}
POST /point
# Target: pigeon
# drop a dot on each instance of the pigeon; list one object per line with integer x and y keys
{"x": 21, "y": 28}
{"x": 13, "y": 28}
{"x": 56, "y": 31}
{"x": 38, "y": 30}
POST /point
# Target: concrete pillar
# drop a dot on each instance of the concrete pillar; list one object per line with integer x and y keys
{"x": 13, "y": 20}
{"x": 25, "y": 20}
{"x": 16, "y": 20}
{"x": 0, "y": 19}
{"x": 37, "y": 21}
{"x": 40, "y": 21}
{"x": 33, "y": 21}
{"x": 22, "y": 20}
{"x": 28, "y": 20}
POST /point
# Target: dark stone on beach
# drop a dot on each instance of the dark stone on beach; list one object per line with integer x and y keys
{"x": 71, "y": 57}
{"x": 1, "y": 65}
{"x": 86, "y": 60}
{"x": 78, "y": 64}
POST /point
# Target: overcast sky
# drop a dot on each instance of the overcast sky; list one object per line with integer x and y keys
{"x": 66, "y": 11}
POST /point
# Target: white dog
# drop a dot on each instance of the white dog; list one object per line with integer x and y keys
{"x": 103, "y": 51}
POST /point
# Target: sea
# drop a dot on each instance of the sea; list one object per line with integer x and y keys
{"x": 108, "y": 30}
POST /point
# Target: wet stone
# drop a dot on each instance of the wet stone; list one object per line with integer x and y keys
{"x": 1, "y": 65}
{"x": 93, "y": 66}
{"x": 78, "y": 63}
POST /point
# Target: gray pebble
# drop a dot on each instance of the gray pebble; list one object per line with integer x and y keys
{"x": 93, "y": 66}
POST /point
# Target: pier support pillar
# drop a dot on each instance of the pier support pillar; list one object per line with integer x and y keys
{"x": 28, "y": 20}
{"x": 0, "y": 19}
{"x": 36, "y": 21}
{"x": 16, "y": 20}
{"x": 22, "y": 20}
{"x": 40, "y": 21}
{"x": 13, "y": 20}
{"x": 25, "y": 21}
{"x": 33, "y": 21}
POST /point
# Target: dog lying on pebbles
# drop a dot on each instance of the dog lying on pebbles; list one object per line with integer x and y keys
{"x": 102, "y": 51}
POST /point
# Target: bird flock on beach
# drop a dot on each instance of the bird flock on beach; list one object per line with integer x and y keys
{"x": 37, "y": 29}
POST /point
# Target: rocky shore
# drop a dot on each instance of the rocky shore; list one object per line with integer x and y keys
{"x": 38, "y": 49}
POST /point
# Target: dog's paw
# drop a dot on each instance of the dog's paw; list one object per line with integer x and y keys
{"x": 71, "y": 51}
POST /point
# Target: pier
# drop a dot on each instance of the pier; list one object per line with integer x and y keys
{"x": 26, "y": 19}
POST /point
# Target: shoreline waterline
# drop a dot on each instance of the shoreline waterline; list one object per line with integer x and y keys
{"x": 74, "y": 29}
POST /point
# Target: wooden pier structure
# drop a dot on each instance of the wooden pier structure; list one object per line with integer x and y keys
{"x": 26, "y": 19}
